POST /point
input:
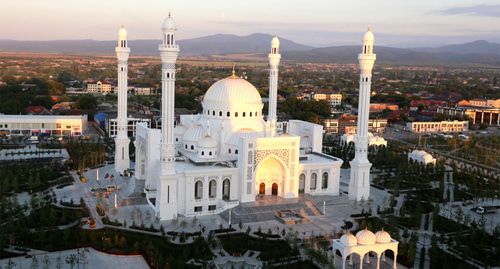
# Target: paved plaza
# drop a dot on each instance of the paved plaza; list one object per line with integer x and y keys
{"x": 325, "y": 214}
{"x": 89, "y": 258}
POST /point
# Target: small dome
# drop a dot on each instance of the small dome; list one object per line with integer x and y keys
{"x": 365, "y": 237}
{"x": 233, "y": 93}
{"x": 382, "y": 237}
{"x": 348, "y": 240}
{"x": 208, "y": 142}
{"x": 122, "y": 34}
{"x": 180, "y": 130}
{"x": 168, "y": 23}
{"x": 241, "y": 134}
{"x": 368, "y": 37}
{"x": 275, "y": 42}
{"x": 193, "y": 134}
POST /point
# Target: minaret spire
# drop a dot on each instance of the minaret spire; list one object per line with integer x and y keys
{"x": 167, "y": 188}
{"x": 122, "y": 159}
{"x": 359, "y": 184}
{"x": 274, "y": 61}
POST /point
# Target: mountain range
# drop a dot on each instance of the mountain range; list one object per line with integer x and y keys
{"x": 477, "y": 52}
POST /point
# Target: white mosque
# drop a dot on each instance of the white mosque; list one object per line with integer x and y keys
{"x": 231, "y": 153}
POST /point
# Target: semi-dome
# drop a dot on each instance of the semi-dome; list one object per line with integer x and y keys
{"x": 382, "y": 237}
{"x": 365, "y": 237}
{"x": 348, "y": 240}
{"x": 208, "y": 142}
{"x": 168, "y": 23}
{"x": 241, "y": 134}
{"x": 232, "y": 93}
{"x": 193, "y": 134}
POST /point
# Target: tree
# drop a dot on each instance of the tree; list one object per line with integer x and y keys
{"x": 34, "y": 262}
{"x": 58, "y": 262}
{"x": 71, "y": 260}
{"x": 10, "y": 264}
{"x": 86, "y": 102}
{"x": 56, "y": 88}
{"x": 46, "y": 262}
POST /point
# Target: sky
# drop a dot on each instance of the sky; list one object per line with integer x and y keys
{"x": 403, "y": 23}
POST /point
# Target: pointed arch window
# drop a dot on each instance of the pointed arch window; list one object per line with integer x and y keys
{"x": 212, "y": 189}
{"x": 226, "y": 189}
{"x": 314, "y": 179}
{"x": 324, "y": 181}
{"x": 198, "y": 190}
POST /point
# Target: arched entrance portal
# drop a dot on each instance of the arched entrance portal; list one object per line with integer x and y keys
{"x": 270, "y": 177}
{"x": 274, "y": 190}
{"x": 262, "y": 188}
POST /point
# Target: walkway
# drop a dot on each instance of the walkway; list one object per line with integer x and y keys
{"x": 424, "y": 241}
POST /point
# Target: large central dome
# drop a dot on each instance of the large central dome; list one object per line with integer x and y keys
{"x": 232, "y": 93}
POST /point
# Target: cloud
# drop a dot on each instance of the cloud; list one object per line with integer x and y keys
{"x": 478, "y": 10}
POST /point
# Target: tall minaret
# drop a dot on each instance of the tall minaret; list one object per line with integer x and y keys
{"x": 274, "y": 61}
{"x": 122, "y": 159}
{"x": 359, "y": 184}
{"x": 168, "y": 182}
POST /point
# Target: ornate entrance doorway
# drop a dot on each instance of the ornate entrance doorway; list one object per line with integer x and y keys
{"x": 269, "y": 175}
{"x": 262, "y": 188}
{"x": 274, "y": 190}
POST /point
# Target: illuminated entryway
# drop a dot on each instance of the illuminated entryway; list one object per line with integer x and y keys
{"x": 270, "y": 174}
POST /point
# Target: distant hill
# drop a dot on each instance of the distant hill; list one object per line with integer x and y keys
{"x": 214, "y": 44}
{"x": 230, "y": 44}
{"x": 233, "y": 46}
{"x": 349, "y": 54}
{"x": 476, "y": 47}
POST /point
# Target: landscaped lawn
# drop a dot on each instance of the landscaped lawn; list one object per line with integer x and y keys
{"x": 238, "y": 244}
{"x": 30, "y": 175}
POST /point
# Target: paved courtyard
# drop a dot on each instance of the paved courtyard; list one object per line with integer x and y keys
{"x": 132, "y": 208}
{"x": 89, "y": 258}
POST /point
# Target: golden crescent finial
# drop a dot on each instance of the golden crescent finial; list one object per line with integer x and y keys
{"x": 233, "y": 73}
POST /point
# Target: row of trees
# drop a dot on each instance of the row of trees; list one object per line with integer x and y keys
{"x": 85, "y": 154}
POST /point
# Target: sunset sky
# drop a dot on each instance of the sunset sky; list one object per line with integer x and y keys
{"x": 313, "y": 22}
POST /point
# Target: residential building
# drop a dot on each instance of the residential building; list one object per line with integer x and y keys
{"x": 144, "y": 91}
{"x": 99, "y": 88}
{"x": 348, "y": 124}
{"x": 438, "y": 127}
{"x": 379, "y": 107}
{"x": 112, "y": 127}
{"x": 334, "y": 99}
